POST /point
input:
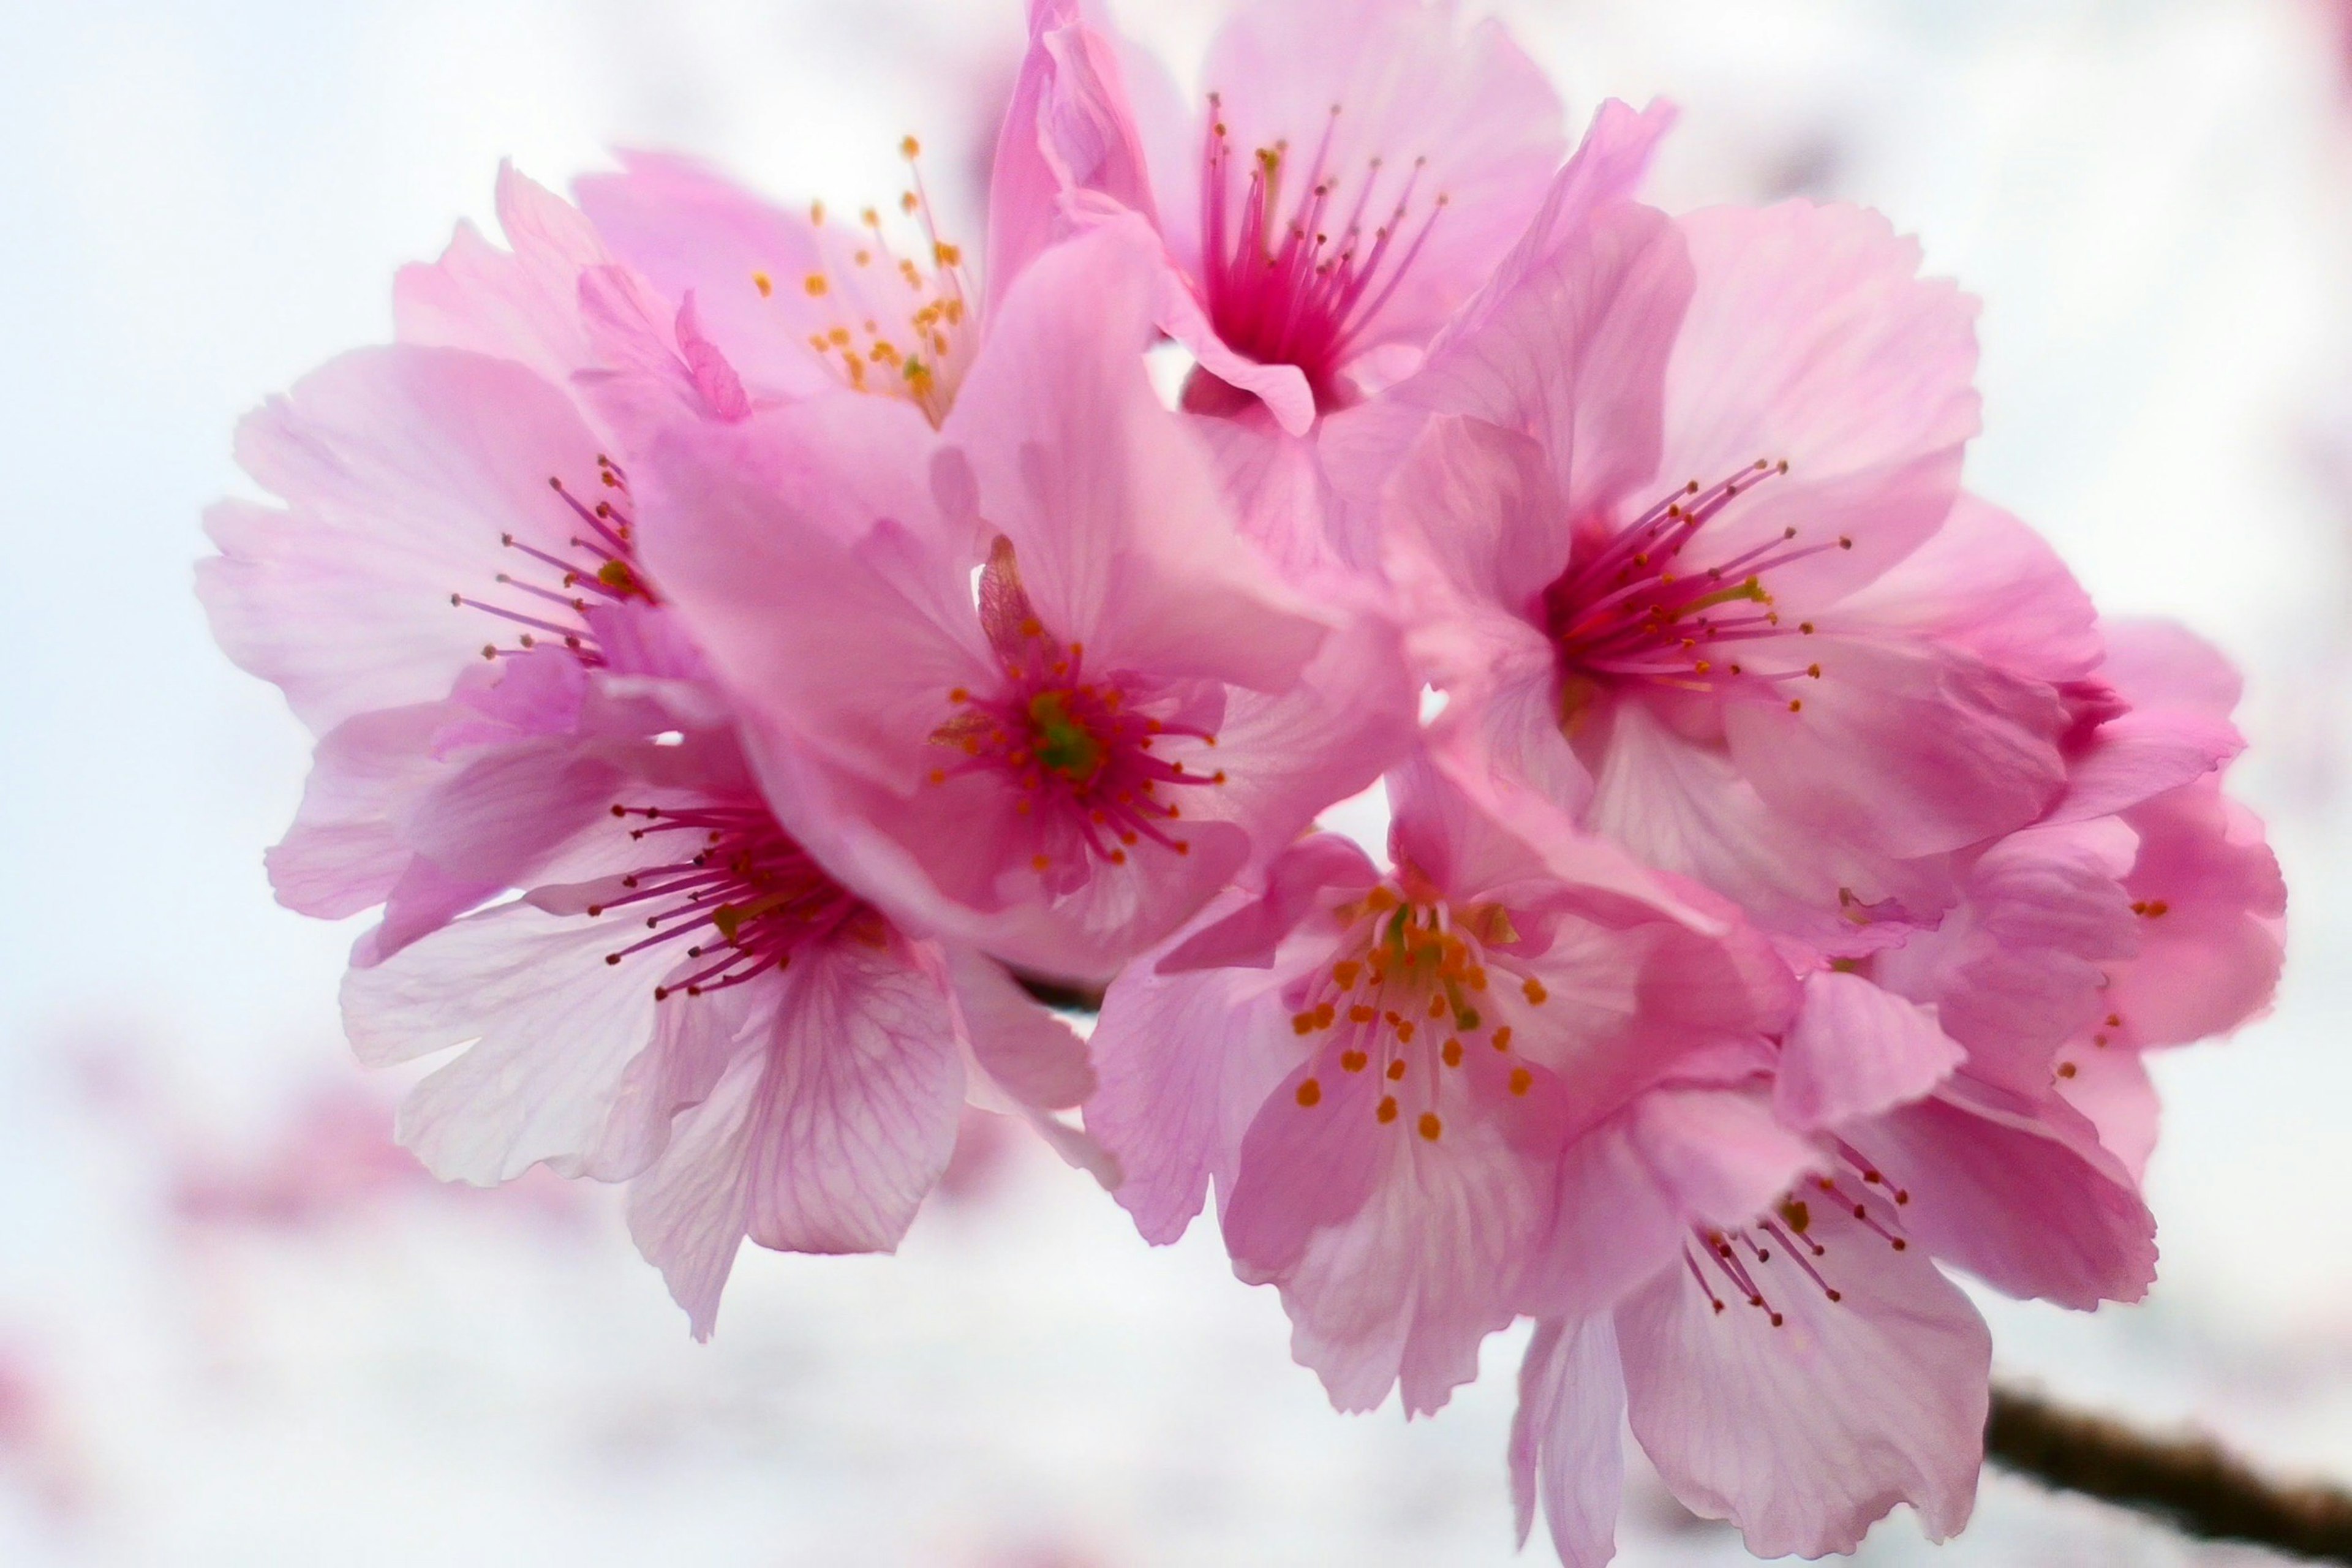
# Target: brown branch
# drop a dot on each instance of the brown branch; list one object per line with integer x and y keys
{"x": 2189, "y": 1481}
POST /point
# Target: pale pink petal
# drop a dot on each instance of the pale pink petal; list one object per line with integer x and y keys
{"x": 1248, "y": 936}
{"x": 1811, "y": 341}
{"x": 1631, "y": 1189}
{"x": 1577, "y": 358}
{"x": 1026, "y": 1049}
{"x": 1068, "y": 128}
{"x": 2164, "y": 664}
{"x": 2018, "y": 1192}
{"x": 345, "y": 852}
{"x": 521, "y": 304}
{"x": 687, "y": 228}
{"x": 1476, "y": 531}
{"x": 1805, "y": 1433}
{"x": 1184, "y": 1063}
{"x": 806, "y": 550}
{"x": 1857, "y": 1050}
{"x": 1904, "y": 749}
{"x": 402, "y": 470}
{"x": 1684, "y": 806}
{"x": 1396, "y": 1252}
{"x": 1566, "y": 1450}
{"x": 2112, "y": 1090}
{"x": 1607, "y": 166}
{"x": 2211, "y": 911}
{"x": 554, "y": 1029}
{"x": 2021, "y": 963}
{"x": 1986, "y": 582}
{"x": 1124, "y": 541}
{"x": 824, "y": 1137}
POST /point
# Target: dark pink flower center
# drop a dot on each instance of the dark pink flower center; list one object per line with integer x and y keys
{"x": 1738, "y": 1258}
{"x": 1410, "y": 997}
{"x": 1294, "y": 269}
{"x": 550, "y": 593}
{"x": 1628, "y": 609}
{"x": 738, "y": 891}
{"x": 1086, "y": 751}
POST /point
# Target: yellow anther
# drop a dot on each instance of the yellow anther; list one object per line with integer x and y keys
{"x": 1431, "y": 1126}
{"x": 1522, "y": 1080}
{"x": 763, "y": 283}
{"x": 910, "y": 149}
{"x": 1388, "y": 1108}
{"x": 1535, "y": 991}
{"x": 816, "y": 285}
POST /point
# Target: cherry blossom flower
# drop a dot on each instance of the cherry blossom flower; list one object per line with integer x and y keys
{"x": 1977, "y": 1079}
{"x": 1652, "y": 543}
{"x": 1350, "y": 175}
{"x": 453, "y": 596}
{"x": 1394, "y": 1082}
{"x": 1020, "y": 679}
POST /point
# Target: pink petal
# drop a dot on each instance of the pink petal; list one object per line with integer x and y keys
{"x": 1576, "y": 357}
{"x": 1397, "y": 1254}
{"x": 1027, "y": 1050}
{"x": 1631, "y": 1189}
{"x": 2019, "y": 1194}
{"x": 2112, "y": 1089}
{"x": 1685, "y": 807}
{"x": 1811, "y": 340}
{"x": 1565, "y": 1446}
{"x": 1248, "y": 937}
{"x": 1069, "y": 129}
{"x": 1857, "y": 1050}
{"x": 2021, "y": 964}
{"x": 2211, "y": 909}
{"x": 1805, "y": 1434}
{"x": 1986, "y": 582}
{"x": 345, "y": 852}
{"x": 1904, "y": 749}
{"x": 555, "y": 1028}
{"x": 1111, "y": 504}
{"x": 1607, "y": 166}
{"x": 400, "y": 469}
{"x": 520, "y": 305}
{"x": 824, "y": 1137}
{"x": 1184, "y": 1063}
{"x": 687, "y": 228}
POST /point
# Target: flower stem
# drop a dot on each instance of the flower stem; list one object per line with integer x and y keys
{"x": 2189, "y": 1481}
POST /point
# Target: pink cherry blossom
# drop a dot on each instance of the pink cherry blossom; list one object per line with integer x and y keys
{"x": 1020, "y": 678}
{"x": 1389, "y": 1079}
{"x": 1977, "y": 1081}
{"x": 1350, "y": 175}
{"x": 1656, "y": 538}
{"x": 452, "y": 594}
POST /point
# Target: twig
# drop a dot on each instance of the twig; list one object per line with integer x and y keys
{"x": 2189, "y": 1481}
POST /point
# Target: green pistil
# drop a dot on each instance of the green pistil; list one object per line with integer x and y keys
{"x": 1064, "y": 745}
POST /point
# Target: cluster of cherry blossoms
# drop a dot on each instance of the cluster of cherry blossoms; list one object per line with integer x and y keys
{"x": 754, "y": 651}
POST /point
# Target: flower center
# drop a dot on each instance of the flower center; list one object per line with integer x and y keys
{"x": 1300, "y": 282}
{"x": 598, "y": 567}
{"x": 1631, "y": 611}
{"x": 738, "y": 885}
{"x": 899, "y": 323}
{"x": 1410, "y": 998}
{"x": 1084, "y": 752}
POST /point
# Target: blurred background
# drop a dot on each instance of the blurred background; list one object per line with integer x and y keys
{"x": 238, "y": 1326}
